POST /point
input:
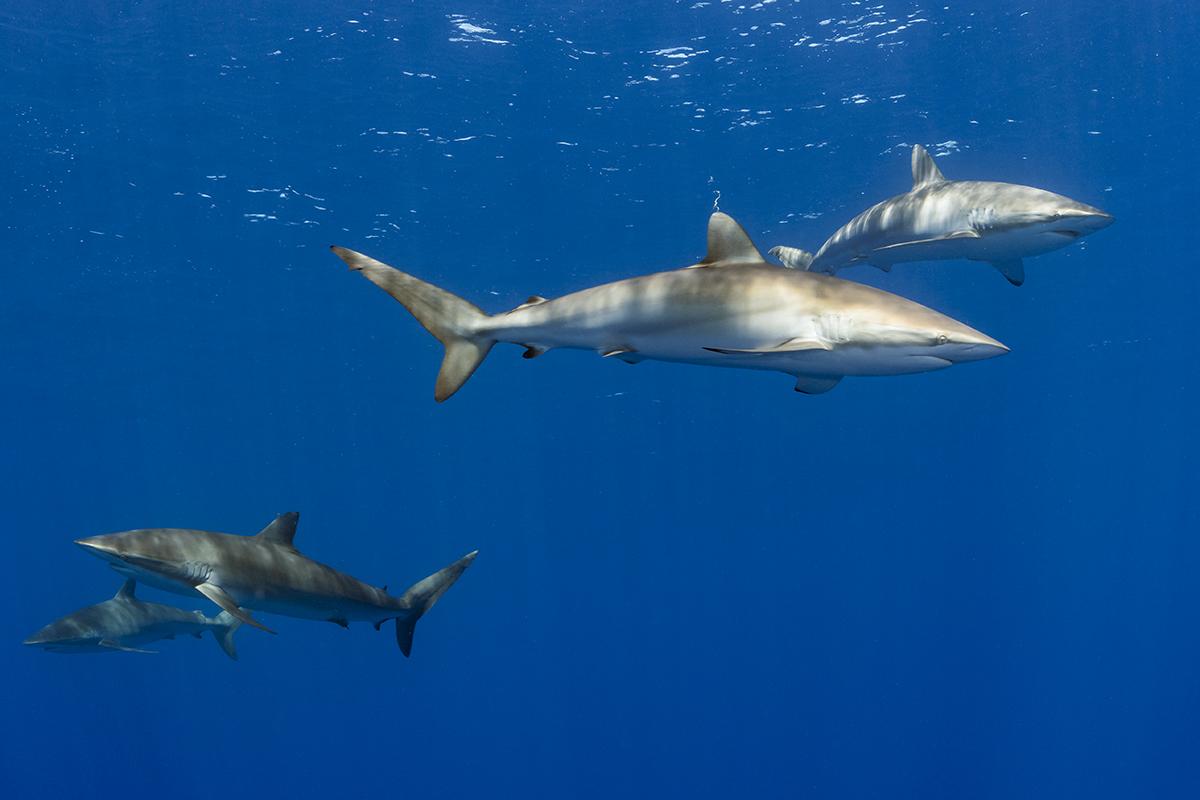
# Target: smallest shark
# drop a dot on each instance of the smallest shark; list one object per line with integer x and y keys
{"x": 940, "y": 220}
{"x": 125, "y": 623}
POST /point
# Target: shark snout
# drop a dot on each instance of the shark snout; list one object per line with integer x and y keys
{"x": 97, "y": 546}
{"x": 1083, "y": 219}
{"x": 970, "y": 345}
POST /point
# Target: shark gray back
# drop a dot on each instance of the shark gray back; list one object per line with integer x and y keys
{"x": 998, "y": 223}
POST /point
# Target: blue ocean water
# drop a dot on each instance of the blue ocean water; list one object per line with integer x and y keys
{"x": 692, "y": 582}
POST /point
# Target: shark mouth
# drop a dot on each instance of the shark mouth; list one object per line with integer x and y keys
{"x": 1068, "y": 233}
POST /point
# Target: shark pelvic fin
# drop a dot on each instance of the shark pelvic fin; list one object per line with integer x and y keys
{"x": 421, "y": 596}
{"x": 728, "y": 243}
{"x": 451, "y": 319}
{"x": 790, "y": 346}
{"x": 609, "y": 352}
{"x": 816, "y": 384}
{"x": 282, "y": 530}
{"x": 126, "y": 590}
{"x": 924, "y": 171}
{"x": 532, "y": 351}
{"x": 1014, "y": 270}
{"x": 113, "y": 644}
{"x": 793, "y": 257}
{"x": 222, "y": 598}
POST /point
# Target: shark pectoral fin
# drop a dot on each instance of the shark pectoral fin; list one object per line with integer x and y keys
{"x": 112, "y": 644}
{"x": 221, "y": 598}
{"x": 1014, "y": 270}
{"x": 790, "y": 346}
{"x": 924, "y": 171}
{"x": 816, "y": 384}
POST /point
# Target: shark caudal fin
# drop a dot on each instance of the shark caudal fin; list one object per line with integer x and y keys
{"x": 225, "y": 625}
{"x": 448, "y": 317}
{"x": 793, "y": 257}
{"x": 421, "y": 596}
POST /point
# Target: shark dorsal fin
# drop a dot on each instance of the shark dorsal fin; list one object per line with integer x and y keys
{"x": 282, "y": 530}
{"x": 925, "y": 171}
{"x": 126, "y": 590}
{"x": 728, "y": 243}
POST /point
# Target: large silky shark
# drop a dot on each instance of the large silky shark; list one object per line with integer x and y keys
{"x": 266, "y": 573}
{"x": 1000, "y": 223}
{"x": 732, "y": 309}
{"x": 125, "y": 623}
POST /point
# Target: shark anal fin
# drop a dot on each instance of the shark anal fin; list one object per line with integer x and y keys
{"x": 221, "y": 598}
{"x": 197, "y": 636}
{"x": 1014, "y": 270}
{"x": 532, "y": 351}
{"x": 340, "y": 621}
{"x": 790, "y": 346}
{"x": 925, "y": 171}
{"x": 379, "y": 624}
{"x": 816, "y": 384}
{"x": 112, "y": 644}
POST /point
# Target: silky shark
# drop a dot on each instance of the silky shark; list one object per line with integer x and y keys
{"x": 1000, "y": 223}
{"x": 266, "y": 573}
{"x": 125, "y": 623}
{"x": 732, "y": 309}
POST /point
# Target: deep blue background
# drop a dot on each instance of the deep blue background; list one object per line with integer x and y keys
{"x": 975, "y": 583}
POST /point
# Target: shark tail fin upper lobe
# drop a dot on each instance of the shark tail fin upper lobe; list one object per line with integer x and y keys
{"x": 226, "y": 626}
{"x": 421, "y": 596}
{"x": 451, "y": 319}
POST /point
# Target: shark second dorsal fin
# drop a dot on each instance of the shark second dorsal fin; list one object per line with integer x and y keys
{"x": 282, "y": 530}
{"x": 728, "y": 243}
{"x": 925, "y": 172}
{"x": 126, "y": 590}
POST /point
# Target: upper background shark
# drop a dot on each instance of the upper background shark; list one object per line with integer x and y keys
{"x": 732, "y": 309}
{"x": 1000, "y": 223}
{"x": 124, "y": 623}
{"x": 266, "y": 573}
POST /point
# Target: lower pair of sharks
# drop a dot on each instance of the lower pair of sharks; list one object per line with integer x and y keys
{"x": 264, "y": 572}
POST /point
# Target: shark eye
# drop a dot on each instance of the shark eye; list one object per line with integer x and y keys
{"x": 942, "y": 338}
